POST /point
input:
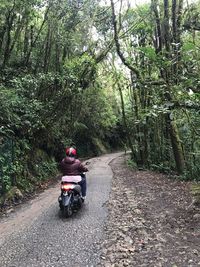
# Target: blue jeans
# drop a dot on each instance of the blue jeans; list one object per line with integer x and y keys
{"x": 83, "y": 185}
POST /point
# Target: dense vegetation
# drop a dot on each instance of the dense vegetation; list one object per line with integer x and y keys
{"x": 102, "y": 76}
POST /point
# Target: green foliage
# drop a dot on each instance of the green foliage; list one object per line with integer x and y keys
{"x": 162, "y": 167}
{"x": 103, "y": 14}
{"x": 160, "y": 110}
{"x": 45, "y": 170}
{"x": 149, "y": 52}
{"x": 53, "y": 91}
{"x": 49, "y": 94}
{"x": 131, "y": 164}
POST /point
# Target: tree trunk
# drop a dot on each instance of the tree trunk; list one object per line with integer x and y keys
{"x": 172, "y": 127}
{"x": 2, "y": 34}
{"x": 47, "y": 50}
{"x": 34, "y": 40}
{"x": 26, "y": 41}
{"x": 128, "y": 137}
{"x": 176, "y": 145}
{"x": 9, "y": 20}
{"x": 57, "y": 56}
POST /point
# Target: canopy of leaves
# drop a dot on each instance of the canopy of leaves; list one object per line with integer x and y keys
{"x": 62, "y": 81}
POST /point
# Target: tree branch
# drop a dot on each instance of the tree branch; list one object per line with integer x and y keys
{"x": 118, "y": 47}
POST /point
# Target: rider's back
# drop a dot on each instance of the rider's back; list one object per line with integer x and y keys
{"x": 71, "y": 166}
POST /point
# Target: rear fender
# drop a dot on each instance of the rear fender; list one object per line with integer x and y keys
{"x": 66, "y": 200}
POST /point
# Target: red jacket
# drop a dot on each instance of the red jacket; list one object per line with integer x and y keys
{"x": 71, "y": 166}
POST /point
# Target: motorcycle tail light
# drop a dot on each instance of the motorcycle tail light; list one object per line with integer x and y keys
{"x": 66, "y": 187}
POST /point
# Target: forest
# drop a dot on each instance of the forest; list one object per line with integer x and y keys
{"x": 105, "y": 75}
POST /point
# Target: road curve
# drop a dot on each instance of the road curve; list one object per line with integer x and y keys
{"x": 37, "y": 236}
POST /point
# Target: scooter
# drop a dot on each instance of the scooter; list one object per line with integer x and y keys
{"x": 70, "y": 199}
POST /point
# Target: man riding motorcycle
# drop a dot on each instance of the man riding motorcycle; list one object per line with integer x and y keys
{"x": 72, "y": 170}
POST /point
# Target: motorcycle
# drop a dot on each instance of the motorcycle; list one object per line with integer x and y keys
{"x": 70, "y": 199}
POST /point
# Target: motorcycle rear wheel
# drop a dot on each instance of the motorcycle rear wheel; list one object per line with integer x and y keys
{"x": 67, "y": 211}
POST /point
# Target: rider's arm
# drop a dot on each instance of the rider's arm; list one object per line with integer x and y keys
{"x": 82, "y": 168}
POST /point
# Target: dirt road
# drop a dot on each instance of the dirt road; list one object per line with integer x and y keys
{"x": 148, "y": 224}
{"x": 151, "y": 222}
{"x": 37, "y": 236}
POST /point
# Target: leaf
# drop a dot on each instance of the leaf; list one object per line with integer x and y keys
{"x": 169, "y": 104}
{"x": 149, "y": 52}
{"x": 80, "y": 126}
{"x": 171, "y": 116}
{"x": 188, "y": 47}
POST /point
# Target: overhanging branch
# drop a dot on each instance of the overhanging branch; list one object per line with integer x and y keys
{"x": 118, "y": 47}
